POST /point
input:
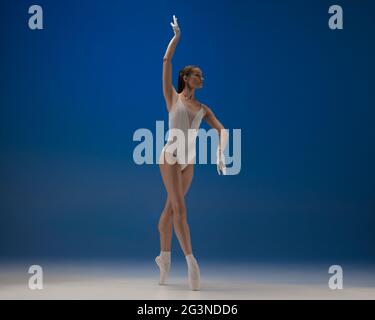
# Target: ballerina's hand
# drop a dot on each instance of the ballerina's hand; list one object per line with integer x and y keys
{"x": 175, "y": 26}
{"x": 220, "y": 164}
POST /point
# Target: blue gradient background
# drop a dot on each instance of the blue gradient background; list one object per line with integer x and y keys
{"x": 73, "y": 94}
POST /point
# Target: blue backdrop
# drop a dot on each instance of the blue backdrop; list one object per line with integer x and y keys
{"x": 73, "y": 94}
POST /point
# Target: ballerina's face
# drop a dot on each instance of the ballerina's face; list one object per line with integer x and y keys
{"x": 196, "y": 78}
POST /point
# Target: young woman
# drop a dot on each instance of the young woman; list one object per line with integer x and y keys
{"x": 185, "y": 112}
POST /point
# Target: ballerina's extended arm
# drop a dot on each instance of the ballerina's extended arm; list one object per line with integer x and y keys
{"x": 168, "y": 90}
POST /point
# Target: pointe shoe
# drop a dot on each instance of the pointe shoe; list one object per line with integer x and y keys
{"x": 194, "y": 278}
{"x": 164, "y": 269}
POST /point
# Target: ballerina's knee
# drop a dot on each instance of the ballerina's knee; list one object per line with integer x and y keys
{"x": 179, "y": 209}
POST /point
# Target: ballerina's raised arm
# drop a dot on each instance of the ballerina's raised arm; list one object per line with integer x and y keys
{"x": 168, "y": 90}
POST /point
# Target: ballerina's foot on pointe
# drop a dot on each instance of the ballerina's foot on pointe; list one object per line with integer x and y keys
{"x": 164, "y": 263}
{"x": 193, "y": 272}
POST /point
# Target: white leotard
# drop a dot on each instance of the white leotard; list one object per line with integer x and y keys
{"x": 180, "y": 117}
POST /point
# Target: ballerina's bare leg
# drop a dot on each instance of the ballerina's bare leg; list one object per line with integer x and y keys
{"x": 177, "y": 184}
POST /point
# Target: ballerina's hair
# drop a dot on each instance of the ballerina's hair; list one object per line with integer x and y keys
{"x": 185, "y": 71}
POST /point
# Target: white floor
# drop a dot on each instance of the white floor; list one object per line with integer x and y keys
{"x": 218, "y": 281}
